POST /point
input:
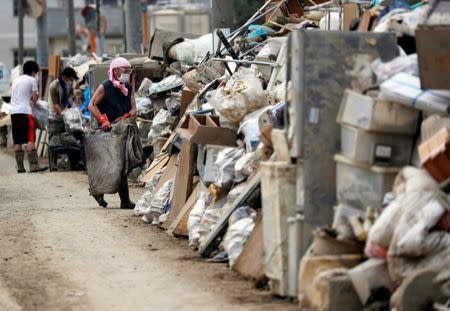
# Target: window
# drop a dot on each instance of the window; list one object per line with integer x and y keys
{"x": 28, "y": 54}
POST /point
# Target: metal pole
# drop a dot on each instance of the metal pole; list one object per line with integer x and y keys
{"x": 71, "y": 28}
{"x": 133, "y": 21}
{"x": 42, "y": 38}
{"x": 20, "y": 51}
{"x": 245, "y": 62}
{"x": 98, "y": 18}
{"x": 124, "y": 24}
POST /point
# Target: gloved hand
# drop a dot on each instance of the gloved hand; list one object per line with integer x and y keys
{"x": 125, "y": 116}
{"x": 103, "y": 119}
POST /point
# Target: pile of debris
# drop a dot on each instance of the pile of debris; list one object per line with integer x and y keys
{"x": 223, "y": 138}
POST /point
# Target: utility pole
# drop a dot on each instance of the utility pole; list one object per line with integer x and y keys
{"x": 42, "y": 38}
{"x": 124, "y": 27}
{"x": 20, "y": 18}
{"x": 133, "y": 14}
{"x": 71, "y": 28}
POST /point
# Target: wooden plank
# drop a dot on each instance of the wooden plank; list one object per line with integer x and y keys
{"x": 183, "y": 181}
{"x": 169, "y": 173}
{"x": 54, "y": 65}
{"x": 158, "y": 163}
{"x": 350, "y": 13}
{"x": 250, "y": 263}
{"x": 280, "y": 145}
{"x": 179, "y": 225}
{"x": 219, "y": 230}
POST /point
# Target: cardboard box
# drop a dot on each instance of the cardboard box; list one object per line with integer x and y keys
{"x": 373, "y": 114}
{"x": 434, "y": 155}
{"x": 187, "y": 95}
{"x": 206, "y": 130}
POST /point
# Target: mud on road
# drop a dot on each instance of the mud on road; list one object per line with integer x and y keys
{"x": 60, "y": 251}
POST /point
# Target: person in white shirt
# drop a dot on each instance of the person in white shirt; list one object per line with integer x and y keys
{"x": 24, "y": 93}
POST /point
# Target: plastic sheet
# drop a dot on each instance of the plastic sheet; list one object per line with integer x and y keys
{"x": 74, "y": 121}
{"x": 40, "y": 114}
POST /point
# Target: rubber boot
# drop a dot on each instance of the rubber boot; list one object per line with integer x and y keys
{"x": 124, "y": 194}
{"x": 100, "y": 200}
{"x": 19, "y": 162}
{"x": 34, "y": 162}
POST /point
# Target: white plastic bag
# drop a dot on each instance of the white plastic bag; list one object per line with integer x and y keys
{"x": 407, "y": 64}
{"x": 143, "y": 204}
{"x": 195, "y": 217}
{"x": 73, "y": 120}
{"x": 224, "y": 165}
{"x": 236, "y": 237}
{"x": 245, "y": 166}
{"x": 160, "y": 199}
{"x": 242, "y": 95}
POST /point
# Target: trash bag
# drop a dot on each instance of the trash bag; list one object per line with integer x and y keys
{"x": 110, "y": 156}
{"x": 39, "y": 111}
{"x": 73, "y": 120}
{"x": 195, "y": 217}
{"x": 242, "y": 212}
{"x": 167, "y": 84}
{"x": 144, "y": 88}
{"x": 142, "y": 205}
{"x": 242, "y": 95}
{"x": 161, "y": 121}
{"x": 224, "y": 165}
{"x": 236, "y": 237}
{"x": 245, "y": 166}
{"x": 210, "y": 218}
{"x": 384, "y": 71}
{"x": 250, "y": 128}
{"x": 159, "y": 201}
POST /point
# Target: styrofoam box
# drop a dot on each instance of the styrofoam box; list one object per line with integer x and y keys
{"x": 373, "y": 114}
{"x": 361, "y": 186}
{"x": 375, "y": 148}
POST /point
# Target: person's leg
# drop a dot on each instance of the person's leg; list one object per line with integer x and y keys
{"x": 100, "y": 200}
{"x": 18, "y": 138}
{"x": 124, "y": 194}
{"x": 33, "y": 158}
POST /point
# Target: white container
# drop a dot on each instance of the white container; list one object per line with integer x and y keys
{"x": 373, "y": 114}
{"x": 375, "y": 148}
{"x": 361, "y": 186}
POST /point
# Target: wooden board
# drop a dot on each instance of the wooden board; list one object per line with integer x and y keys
{"x": 183, "y": 181}
{"x": 219, "y": 230}
{"x": 250, "y": 263}
{"x": 350, "y": 13}
{"x": 169, "y": 173}
{"x": 54, "y": 65}
{"x": 158, "y": 163}
{"x": 179, "y": 225}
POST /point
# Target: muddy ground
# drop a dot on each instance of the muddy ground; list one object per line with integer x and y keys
{"x": 60, "y": 251}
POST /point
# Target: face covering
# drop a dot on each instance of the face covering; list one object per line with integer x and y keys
{"x": 124, "y": 77}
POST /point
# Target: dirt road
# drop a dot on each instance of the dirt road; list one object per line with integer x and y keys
{"x": 59, "y": 251}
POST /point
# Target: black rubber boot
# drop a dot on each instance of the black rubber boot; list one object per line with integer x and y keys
{"x": 100, "y": 200}
{"x": 34, "y": 162}
{"x": 19, "y": 162}
{"x": 124, "y": 194}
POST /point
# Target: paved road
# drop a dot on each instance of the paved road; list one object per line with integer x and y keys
{"x": 59, "y": 251}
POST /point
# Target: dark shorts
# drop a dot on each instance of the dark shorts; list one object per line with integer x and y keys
{"x": 22, "y": 128}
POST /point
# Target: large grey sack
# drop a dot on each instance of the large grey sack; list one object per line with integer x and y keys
{"x": 105, "y": 158}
